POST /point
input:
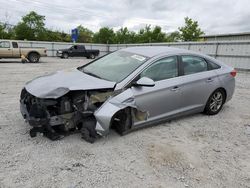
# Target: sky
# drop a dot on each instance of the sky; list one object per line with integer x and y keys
{"x": 213, "y": 16}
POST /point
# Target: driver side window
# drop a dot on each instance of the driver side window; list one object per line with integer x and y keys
{"x": 162, "y": 69}
{"x": 5, "y": 44}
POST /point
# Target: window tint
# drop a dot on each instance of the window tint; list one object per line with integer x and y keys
{"x": 212, "y": 65}
{"x": 4, "y": 44}
{"x": 192, "y": 64}
{"x": 14, "y": 44}
{"x": 162, "y": 69}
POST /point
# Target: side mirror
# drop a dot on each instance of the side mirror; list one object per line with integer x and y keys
{"x": 145, "y": 81}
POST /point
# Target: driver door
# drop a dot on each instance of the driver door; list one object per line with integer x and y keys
{"x": 163, "y": 99}
{"x": 73, "y": 51}
{"x": 5, "y": 49}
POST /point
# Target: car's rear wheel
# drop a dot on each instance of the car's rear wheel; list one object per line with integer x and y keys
{"x": 34, "y": 57}
{"x": 65, "y": 55}
{"x": 215, "y": 102}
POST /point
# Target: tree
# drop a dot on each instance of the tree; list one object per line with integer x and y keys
{"x": 105, "y": 35}
{"x": 6, "y": 31}
{"x": 57, "y": 36}
{"x": 144, "y": 35}
{"x": 191, "y": 30}
{"x": 31, "y": 27}
{"x": 148, "y": 34}
{"x": 122, "y": 36}
{"x": 85, "y": 35}
{"x": 157, "y": 35}
{"x": 2, "y": 31}
{"x": 173, "y": 37}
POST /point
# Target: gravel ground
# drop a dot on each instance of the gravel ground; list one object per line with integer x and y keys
{"x": 193, "y": 151}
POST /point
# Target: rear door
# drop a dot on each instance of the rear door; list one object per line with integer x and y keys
{"x": 15, "y": 50}
{"x": 5, "y": 49}
{"x": 198, "y": 82}
{"x": 164, "y": 98}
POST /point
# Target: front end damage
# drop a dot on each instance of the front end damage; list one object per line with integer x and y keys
{"x": 92, "y": 113}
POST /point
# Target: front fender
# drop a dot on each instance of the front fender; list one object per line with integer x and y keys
{"x": 106, "y": 112}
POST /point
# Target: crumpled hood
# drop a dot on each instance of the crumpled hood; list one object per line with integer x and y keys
{"x": 59, "y": 83}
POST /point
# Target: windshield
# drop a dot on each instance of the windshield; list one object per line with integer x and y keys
{"x": 115, "y": 66}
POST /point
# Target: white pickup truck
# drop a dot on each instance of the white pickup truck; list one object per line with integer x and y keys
{"x": 10, "y": 49}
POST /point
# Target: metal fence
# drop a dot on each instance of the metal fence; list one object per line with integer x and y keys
{"x": 52, "y": 47}
{"x": 234, "y": 53}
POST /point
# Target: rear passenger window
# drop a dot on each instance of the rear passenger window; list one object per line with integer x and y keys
{"x": 192, "y": 64}
{"x": 212, "y": 65}
{"x": 14, "y": 44}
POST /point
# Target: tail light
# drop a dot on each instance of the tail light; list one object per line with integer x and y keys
{"x": 233, "y": 73}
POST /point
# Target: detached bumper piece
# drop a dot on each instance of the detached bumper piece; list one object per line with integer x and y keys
{"x": 38, "y": 119}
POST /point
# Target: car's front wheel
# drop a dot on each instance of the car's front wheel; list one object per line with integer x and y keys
{"x": 65, "y": 55}
{"x": 215, "y": 102}
{"x": 122, "y": 121}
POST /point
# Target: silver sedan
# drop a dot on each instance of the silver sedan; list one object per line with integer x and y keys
{"x": 126, "y": 90}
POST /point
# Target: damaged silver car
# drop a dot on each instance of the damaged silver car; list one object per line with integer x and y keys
{"x": 126, "y": 90}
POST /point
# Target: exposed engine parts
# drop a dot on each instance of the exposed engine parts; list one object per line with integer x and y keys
{"x": 91, "y": 113}
{"x": 57, "y": 117}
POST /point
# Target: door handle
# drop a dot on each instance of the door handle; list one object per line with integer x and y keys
{"x": 175, "y": 88}
{"x": 209, "y": 80}
{"x": 9, "y": 49}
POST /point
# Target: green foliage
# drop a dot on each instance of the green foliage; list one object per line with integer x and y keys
{"x": 191, "y": 30}
{"x": 6, "y": 32}
{"x": 2, "y": 31}
{"x": 105, "y": 35}
{"x": 173, "y": 37}
{"x": 57, "y": 36}
{"x": 32, "y": 27}
{"x": 123, "y": 36}
{"x": 85, "y": 35}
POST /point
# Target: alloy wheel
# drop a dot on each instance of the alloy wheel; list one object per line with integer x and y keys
{"x": 216, "y": 101}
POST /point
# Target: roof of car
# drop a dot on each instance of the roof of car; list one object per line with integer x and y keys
{"x": 151, "y": 51}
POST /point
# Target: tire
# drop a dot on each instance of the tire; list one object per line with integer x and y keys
{"x": 65, "y": 55}
{"x": 34, "y": 57}
{"x": 88, "y": 129}
{"x": 124, "y": 121}
{"x": 92, "y": 56}
{"x": 215, "y": 102}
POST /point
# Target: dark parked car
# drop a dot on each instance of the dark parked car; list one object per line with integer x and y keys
{"x": 77, "y": 51}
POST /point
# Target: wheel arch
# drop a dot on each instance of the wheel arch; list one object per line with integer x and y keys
{"x": 225, "y": 99}
{"x": 224, "y": 91}
{"x": 125, "y": 123}
{"x": 33, "y": 52}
